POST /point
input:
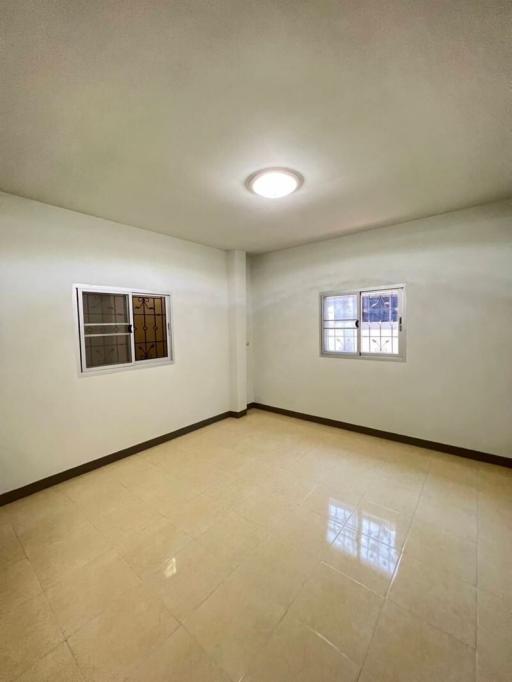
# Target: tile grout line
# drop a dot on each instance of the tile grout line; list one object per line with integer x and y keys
{"x": 377, "y": 620}
{"x": 477, "y": 625}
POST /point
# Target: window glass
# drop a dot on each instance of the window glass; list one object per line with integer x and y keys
{"x": 150, "y": 326}
{"x": 100, "y": 307}
{"x": 339, "y": 324}
{"x": 379, "y": 324}
{"x": 107, "y": 332}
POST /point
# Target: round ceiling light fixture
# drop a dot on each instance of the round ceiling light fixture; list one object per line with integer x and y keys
{"x": 274, "y": 183}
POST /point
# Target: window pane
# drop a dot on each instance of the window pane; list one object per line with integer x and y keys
{"x": 107, "y": 350}
{"x": 99, "y": 307}
{"x": 150, "y": 327}
{"x": 340, "y": 307}
{"x": 340, "y": 340}
{"x": 339, "y": 324}
{"x": 379, "y": 324}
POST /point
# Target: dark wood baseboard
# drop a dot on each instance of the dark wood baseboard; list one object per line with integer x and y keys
{"x": 36, "y": 486}
{"x": 400, "y": 438}
{"x": 237, "y": 415}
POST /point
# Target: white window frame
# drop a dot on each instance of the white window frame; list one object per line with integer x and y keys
{"x": 79, "y": 289}
{"x": 359, "y": 355}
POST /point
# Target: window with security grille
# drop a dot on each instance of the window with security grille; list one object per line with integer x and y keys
{"x": 365, "y": 323}
{"x": 150, "y": 327}
{"x": 119, "y": 328}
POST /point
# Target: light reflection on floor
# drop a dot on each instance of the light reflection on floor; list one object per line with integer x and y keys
{"x": 358, "y": 541}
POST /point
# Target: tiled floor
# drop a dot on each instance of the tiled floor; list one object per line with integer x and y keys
{"x": 265, "y": 549}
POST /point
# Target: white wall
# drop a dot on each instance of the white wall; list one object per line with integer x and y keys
{"x": 51, "y": 418}
{"x": 456, "y": 385}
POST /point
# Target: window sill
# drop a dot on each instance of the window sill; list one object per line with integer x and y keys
{"x": 357, "y": 356}
{"x": 113, "y": 369}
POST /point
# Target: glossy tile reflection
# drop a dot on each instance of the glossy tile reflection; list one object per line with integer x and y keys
{"x": 262, "y": 549}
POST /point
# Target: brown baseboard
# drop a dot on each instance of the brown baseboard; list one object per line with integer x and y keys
{"x": 400, "y": 438}
{"x": 36, "y": 486}
{"x": 237, "y": 415}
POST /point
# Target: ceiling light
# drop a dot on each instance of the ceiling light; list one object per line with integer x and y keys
{"x": 273, "y": 183}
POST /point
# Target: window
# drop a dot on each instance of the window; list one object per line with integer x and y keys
{"x": 119, "y": 328}
{"x": 367, "y": 324}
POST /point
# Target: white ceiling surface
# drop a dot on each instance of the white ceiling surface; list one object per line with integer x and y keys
{"x": 153, "y": 113}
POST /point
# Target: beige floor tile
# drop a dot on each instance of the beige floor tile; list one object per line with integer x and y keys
{"x": 276, "y": 568}
{"x": 27, "y": 632}
{"x": 264, "y": 509}
{"x": 362, "y": 558}
{"x": 494, "y": 637}
{"x": 119, "y": 523}
{"x": 437, "y": 597}
{"x": 433, "y": 546}
{"x": 313, "y": 466}
{"x": 392, "y": 475}
{"x": 440, "y": 489}
{"x": 226, "y": 528}
{"x": 348, "y": 476}
{"x": 51, "y": 528}
{"x": 294, "y": 652}
{"x": 205, "y": 477}
{"x": 254, "y": 475}
{"x": 98, "y": 489}
{"x": 495, "y": 565}
{"x": 152, "y": 549}
{"x": 18, "y": 582}
{"x": 10, "y": 547}
{"x": 448, "y": 517}
{"x": 307, "y": 530}
{"x": 231, "y": 460}
{"x": 402, "y": 499}
{"x": 85, "y": 592}
{"x": 52, "y": 561}
{"x": 113, "y": 642}
{"x": 197, "y": 515}
{"x": 290, "y": 485}
{"x": 380, "y": 523}
{"x": 286, "y": 456}
{"x": 163, "y": 492}
{"x": 35, "y": 508}
{"x": 457, "y": 469}
{"x": 405, "y": 648}
{"x": 493, "y": 478}
{"x": 232, "y": 625}
{"x": 178, "y": 659}
{"x": 231, "y": 537}
{"x": 187, "y": 578}
{"x": 128, "y": 470}
{"x": 495, "y": 515}
{"x": 330, "y": 501}
{"x": 56, "y": 666}
{"x": 160, "y": 455}
{"x": 340, "y": 609}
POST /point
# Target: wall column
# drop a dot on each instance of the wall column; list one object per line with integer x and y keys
{"x": 238, "y": 328}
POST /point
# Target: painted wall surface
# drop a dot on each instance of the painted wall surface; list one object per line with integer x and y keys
{"x": 51, "y": 418}
{"x": 456, "y": 384}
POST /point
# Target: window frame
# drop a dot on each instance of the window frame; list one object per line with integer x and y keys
{"x": 359, "y": 355}
{"x": 79, "y": 289}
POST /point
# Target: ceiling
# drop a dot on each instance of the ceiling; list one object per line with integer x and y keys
{"x": 153, "y": 113}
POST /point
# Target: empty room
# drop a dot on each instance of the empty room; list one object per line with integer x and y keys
{"x": 255, "y": 343}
